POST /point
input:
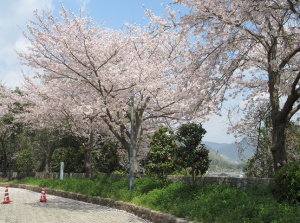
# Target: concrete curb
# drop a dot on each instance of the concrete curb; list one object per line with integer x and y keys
{"x": 145, "y": 213}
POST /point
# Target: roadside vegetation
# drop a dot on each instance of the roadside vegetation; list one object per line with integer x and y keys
{"x": 206, "y": 203}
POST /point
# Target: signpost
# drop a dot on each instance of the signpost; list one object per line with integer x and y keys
{"x": 131, "y": 144}
{"x": 61, "y": 170}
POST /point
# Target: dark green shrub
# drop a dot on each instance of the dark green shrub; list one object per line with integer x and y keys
{"x": 74, "y": 161}
{"x": 14, "y": 165}
{"x": 25, "y": 162}
{"x": 160, "y": 160}
{"x": 287, "y": 182}
{"x": 109, "y": 159}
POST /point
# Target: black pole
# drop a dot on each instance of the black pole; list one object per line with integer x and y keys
{"x": 9, "y": 160}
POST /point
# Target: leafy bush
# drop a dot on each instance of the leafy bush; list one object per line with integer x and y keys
{"x": 287, "y": 182}
{"x": 161, "y": 160}
{"x": 185, "y": 172}
{"x": 108, "y": 160}
{"x": 25, "y": 162}
{"x": 192, "y": 153}
{"x": 125, "y": 171}
{"x": 74, "y": 161}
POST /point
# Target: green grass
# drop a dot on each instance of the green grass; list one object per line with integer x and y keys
{"x": 206, "y": 203}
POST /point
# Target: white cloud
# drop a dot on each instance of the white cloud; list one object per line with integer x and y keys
{"x": 82, "y": 3}
{"x": 13, "y": 19}
{"x": 21, "y": 45}
{"x": 216, "y": 128}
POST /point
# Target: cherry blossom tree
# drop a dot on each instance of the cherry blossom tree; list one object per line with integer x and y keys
{"x": 39, "y": 117}
{"x": 8, "y": 128}
{"x": 107, "y": 65}
{"x": 5, "y": 129}
{"x": 56, "y": 108}
{"x": 82, "y": 120}
{"x": 243, "y": 47}
{"x": 258, "y": 136}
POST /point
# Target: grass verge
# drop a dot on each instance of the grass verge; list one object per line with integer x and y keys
{"x": 206, "y": 203}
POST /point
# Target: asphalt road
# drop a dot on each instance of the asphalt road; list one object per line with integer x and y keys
{"x": 27, "y": 208}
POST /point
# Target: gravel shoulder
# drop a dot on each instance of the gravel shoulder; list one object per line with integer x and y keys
{"x": 27, "y": 208}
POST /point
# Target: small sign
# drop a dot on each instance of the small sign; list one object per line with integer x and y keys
{"x": 61, "y": 170}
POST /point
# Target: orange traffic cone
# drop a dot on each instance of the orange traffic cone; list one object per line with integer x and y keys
{"x": 6, "y": 198}
{"x": 43, "y": 197}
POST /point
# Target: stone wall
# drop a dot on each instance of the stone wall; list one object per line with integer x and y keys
{"x": 243, "y": 183}
{"x": 43, "y": 175}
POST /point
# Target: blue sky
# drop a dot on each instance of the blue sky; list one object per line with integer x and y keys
{"x": 114, "y": 13}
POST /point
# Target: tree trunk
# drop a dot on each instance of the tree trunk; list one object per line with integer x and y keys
{"x": 48, "y": 153}
{"x": 88, "y": 159}
{"x": 47, "y": 145}
{"x": 108, "y": 173}
{"x": 88, "y": 153}
{"x": 136, "y": 171}
{"x": 162, "y": 178}
{"x": 4, "y": 161}
{"x": 47, "y": 164}
{"x": 278, "y": 144}
{"x": 194, "y": 177}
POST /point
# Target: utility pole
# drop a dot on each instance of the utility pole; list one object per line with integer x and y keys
{"x": 131, "y": 143}
{"x": 9, "y": 160}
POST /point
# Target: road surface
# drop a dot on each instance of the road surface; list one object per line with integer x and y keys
{"x": 27, "y": 208}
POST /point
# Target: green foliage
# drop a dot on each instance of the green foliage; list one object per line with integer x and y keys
{"x": 261, "y": 164}
{"x": 297, "y": 147}
{"x": 25, "y": 162}
{"x": 287, "y": 181}
{"x": 161, "y": 160}
{"x": 206, "y": 203}
{"x": 182, "y": 172}
{"x": 74, "y": 161}
{"x": 67, "y": 140}
{"x": 16, "y": 128}
{"x": 125, "y": 171}
{"x": 185, "y": 172}
{"x": 192, "y": 153}
{"x": 109, "y": 159}
{"x": 218, "y": 161}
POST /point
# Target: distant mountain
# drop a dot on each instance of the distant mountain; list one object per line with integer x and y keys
{"x": 225, "y": 152}
{"x": 210, "y": 149}
{"x": 228, "y": 151}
